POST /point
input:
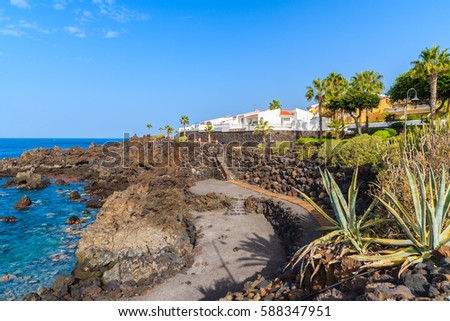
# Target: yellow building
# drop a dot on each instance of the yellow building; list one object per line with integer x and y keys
{"x": 379, "y": 114}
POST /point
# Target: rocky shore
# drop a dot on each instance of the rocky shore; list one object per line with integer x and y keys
{"x": 144, "y": 232}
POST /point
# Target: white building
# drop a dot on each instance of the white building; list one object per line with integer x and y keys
{"x": 294, "y": 119}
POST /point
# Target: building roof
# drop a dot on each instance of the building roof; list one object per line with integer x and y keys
{"x": 286, "y": 113}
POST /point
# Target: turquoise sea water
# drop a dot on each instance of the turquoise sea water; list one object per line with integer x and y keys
{"x": 35, "y": 250}
{"x": 14, "y": 147}
{"x": 41, "y": 245}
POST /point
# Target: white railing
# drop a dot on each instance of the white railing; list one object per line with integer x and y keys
{"x": 422, "y": 107}
{"x": 310, "y": 125}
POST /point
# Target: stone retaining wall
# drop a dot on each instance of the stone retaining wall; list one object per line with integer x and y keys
{"x": 242, "y": 137}
{"x": 283, "y": 174}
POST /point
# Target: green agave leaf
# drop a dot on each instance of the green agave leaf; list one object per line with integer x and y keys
{"x": 411, "y": 223}
{"x": 318, "y": 208}
{"x": 400, "y": 254}
{"x": 418, "y": 197}
{"x": 328, "y": 228}
{"x": 400, "y": 221}
{"x": 301, "y": 254}
{"x": 392, "y": 242}
{"x": 357, "y": 246}
{"x": 337, "y": 208}
{"x": 338, "y": 200}
{"x": 439, "y": 212}
{"x": 445, "y": 239}
{"x": 352, "y": 197}
{"x": 372, "y": 206}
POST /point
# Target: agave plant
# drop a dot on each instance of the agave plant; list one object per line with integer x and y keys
{"x": 347, "y": 227}
{"x": 427, "y": 229}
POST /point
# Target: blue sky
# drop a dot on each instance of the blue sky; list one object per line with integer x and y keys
{"x": 99, "y": 68}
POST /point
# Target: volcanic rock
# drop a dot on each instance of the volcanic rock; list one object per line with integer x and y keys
{"x": 10, "y": 219}
{"x": 31, "y": 180}
{"x": 23, "y": 203}
{"x": 94, "y": 204}
{"x": 418, "y": 284}
{"x": 74, "y": 195}
{"x": 387, "y": 291}
{"x": 73, "y": 220}
{"x": 136, "y": 237}
{"x": 61, "y": 182}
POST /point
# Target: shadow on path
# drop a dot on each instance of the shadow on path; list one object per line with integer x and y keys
{"x": 261, "y": 253}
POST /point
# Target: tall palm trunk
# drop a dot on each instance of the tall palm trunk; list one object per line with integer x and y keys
{"x": 433, "y": 95}
{"x": 184, "y": 130}
{"x": 367, "y": 120}
{"x": 357, "y": 119}
{"x": 320, "y": 118}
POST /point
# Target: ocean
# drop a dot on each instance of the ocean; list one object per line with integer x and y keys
{"x": 40, "y": 246}
{"x": 14, "y": 147}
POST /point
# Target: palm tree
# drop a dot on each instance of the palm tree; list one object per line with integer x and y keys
{"x": 184, "y": 120}
{"x": 337, "y": 87}
{"x": 275, "y": 104}
{"x": 431, "y": 63}
{"x": 149, "y": 126}
{"x": 168, "y": 129}
{"x": 262, "y": 127}
{"x": 317, "y": 92}
{"x": 209, "y": 129}
{"x": 368, "y": 81}
{"x": 337, "y": 127}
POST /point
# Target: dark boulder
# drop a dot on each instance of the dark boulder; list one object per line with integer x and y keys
{"x": 30, "y": 180}
{"x": 74, "y": 195}
{"x": 418, "y": 284}
{"x": 23, "y": 203}
{"x": 94, "y": 204}
{"x": 10, "y": 219}
{"x": 61, "y": 285}
{"x": 74, "y": 220}
{"x": 61, "y": 182}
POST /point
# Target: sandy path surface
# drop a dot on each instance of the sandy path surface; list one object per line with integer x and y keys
{"x": 231, "y": 250}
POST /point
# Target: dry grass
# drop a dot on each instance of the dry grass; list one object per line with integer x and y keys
{"x": 428, "y": 148}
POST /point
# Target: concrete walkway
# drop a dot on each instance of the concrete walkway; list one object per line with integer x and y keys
{"x": 231, "y": 250}
{"x": 293, "y": 200}
{"x": 311, "y": 220}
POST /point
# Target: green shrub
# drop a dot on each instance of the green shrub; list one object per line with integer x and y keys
{"x": 329, "y": 148}
{"x": 182, "y": 139}
{"x": 310, "y": 141}
{"x": 392, "y": 131}
{"x": 389, "y": 118}
{"x": 414, "y": 117}
{"x": 281, "y": 148}
{"x": 360, "y": 150}
{"x": 307, "y": 152}
{"x": 385, "y": 133}
{"x": 158, "y": 136}
{"x": 372, "y": 131}
{"x": 261, "y": 146}
{"x": 398, "y": 126}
